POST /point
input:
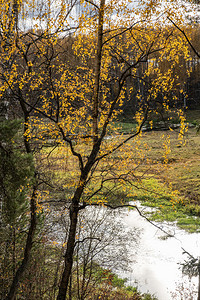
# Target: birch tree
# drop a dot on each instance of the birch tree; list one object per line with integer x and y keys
{"x": 64, "y": 96}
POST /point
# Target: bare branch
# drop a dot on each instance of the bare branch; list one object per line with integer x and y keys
{"x": 87, "y": 238}
{"x": 186, "y": 37}
{"x": 92, "y": 3}
{"x": 129, "y": 206}
{"x": 120, "y": 33}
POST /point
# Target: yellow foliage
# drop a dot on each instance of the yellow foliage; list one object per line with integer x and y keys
{"x": 54, "y": 76}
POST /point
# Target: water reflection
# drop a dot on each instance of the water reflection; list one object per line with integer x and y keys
{"x": 156, "y": 269}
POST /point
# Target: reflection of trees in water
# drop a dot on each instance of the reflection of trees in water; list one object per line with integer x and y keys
{"x": 102, "y": 241}
{"x": 185, "y": 290}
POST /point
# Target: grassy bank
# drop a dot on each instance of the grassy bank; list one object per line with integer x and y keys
{"x": 172, "y": 184}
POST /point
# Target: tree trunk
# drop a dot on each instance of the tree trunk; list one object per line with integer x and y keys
{"x": 97, "y": 71}
{"x": 68, "y": 255}
{"x": 33, "y": 222}
{"x": 29, "y": 242}
{"x": 198, "y": 297}
{"x": 74, "y": 209}
{"x": 14, "y": 252}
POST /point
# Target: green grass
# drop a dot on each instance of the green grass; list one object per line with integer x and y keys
{"x": 169, "y": 205}
{"x": 123, "y": 127}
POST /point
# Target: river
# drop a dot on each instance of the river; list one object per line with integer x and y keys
{"x": 156, "y": 267}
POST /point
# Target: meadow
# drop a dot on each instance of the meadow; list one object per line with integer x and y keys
{"x": 165, "y": 172}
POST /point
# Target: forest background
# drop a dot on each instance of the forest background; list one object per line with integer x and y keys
{"x": 99, "y": 107}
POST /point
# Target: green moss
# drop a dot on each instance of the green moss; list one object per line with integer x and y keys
{"x": 169, "y": 206}
{"x": 123, "y": 127}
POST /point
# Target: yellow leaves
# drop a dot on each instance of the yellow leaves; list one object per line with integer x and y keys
{"x": 139, "y": 118}
{"x": 42, "y": 197}
{"x": 61, "y": 81}
{"x": 54, "y": 243}
{"x": 30, "y": 64}
{"x": 183, "y": 127}
{"x": 167, "y": 148}
{"x": 27, "y": 133}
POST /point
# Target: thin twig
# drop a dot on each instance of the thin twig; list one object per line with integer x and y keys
{"x": 186, "y": 37}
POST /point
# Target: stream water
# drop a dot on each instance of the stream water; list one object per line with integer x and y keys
{"x": 156, "y": 267}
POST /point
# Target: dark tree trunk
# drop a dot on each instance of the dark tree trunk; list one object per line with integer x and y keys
{"x": 28, "y": 247}
{"x": 97, "y": 72}
{"x": 14, "y": 250}
{"x": 70, "y": 247}
{"x": 33, "y": 222}
{"x": 68, "y": 256}
{"x": 198, "y": 297}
